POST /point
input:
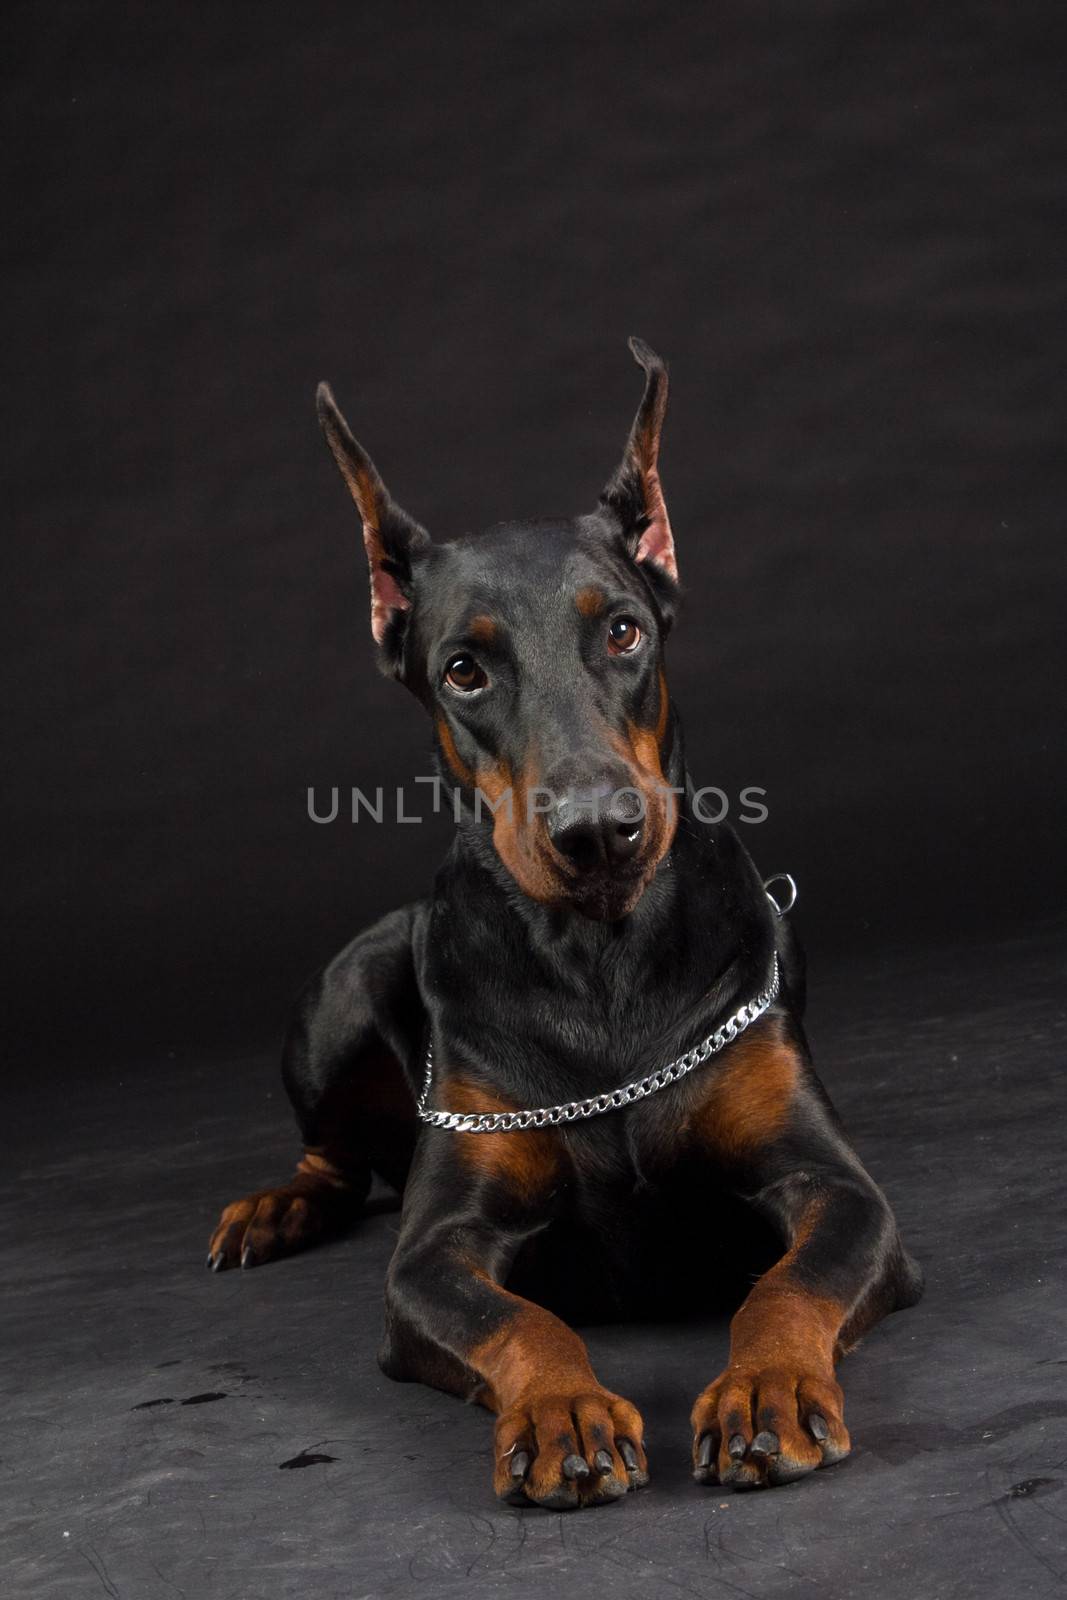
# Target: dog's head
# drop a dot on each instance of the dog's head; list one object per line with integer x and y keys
{"x": 538, "y": 649}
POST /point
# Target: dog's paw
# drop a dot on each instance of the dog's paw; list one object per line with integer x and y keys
{"x": 754, "y": 1429}
{"x": 278, "y": 1222}
{"x": 563, "y": 1451}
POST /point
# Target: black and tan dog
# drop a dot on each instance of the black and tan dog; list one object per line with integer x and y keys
{"x": 585, "y": 929}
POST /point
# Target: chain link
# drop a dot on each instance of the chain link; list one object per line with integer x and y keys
{"x": 613, "y": 1099}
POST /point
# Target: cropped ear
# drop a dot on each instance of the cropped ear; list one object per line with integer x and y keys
{"x": 391, "y": 537}
{"x": 635, "y": 494}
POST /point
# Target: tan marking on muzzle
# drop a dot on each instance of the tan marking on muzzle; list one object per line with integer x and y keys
{"x": 640, "y": 748}
{"x": 515, "y": 833}
{"x": 456, "y": 764}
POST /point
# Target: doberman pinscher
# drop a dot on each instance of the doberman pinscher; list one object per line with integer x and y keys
{"x": 586, "y": 930}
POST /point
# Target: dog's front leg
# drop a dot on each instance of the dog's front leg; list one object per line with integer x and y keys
{"x": 777, "y": 1412}
{"x": 562, "y": 1440}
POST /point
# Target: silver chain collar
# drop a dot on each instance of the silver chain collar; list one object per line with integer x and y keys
{"x": 614, "y": 1099}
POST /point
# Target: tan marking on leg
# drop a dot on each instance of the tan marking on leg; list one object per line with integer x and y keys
{"x": 783, "y": 1345}
{"x": 317, "y": 1165}
{"x": 532, "y": 1352}
{"x": 537, "y": 1377}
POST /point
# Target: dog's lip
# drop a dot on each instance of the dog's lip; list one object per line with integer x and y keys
{"x": 610, "y": 887}
{"x": 610, "y": 901}
{"x": 598, "y": 877}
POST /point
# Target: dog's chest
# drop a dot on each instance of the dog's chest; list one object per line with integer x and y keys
{"x": 629, "y": 1157}
{"x": 641, "y": 1219}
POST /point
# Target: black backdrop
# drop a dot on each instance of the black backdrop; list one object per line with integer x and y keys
{"x": 843, "y": 225}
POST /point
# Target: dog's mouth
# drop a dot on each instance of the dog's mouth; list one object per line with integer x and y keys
{"x": 607, "y": 888}
{"x": 606, "y": 894}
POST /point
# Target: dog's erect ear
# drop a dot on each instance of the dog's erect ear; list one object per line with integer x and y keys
{"x": 391, "y": 537}
{"x": 635, "y": 494}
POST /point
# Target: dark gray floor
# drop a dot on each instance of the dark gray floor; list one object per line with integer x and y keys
{"x": 172, "y": 1433}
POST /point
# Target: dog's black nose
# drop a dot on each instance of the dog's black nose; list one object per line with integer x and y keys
{"x": 596, "y": 830}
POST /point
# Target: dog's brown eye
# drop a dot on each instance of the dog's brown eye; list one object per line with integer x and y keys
{"x": 464, "y": 673}
{"x": 623, "y": 636}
